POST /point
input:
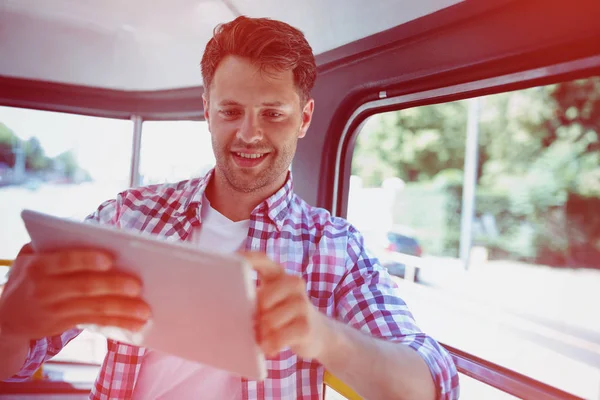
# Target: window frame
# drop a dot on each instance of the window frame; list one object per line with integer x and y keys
{"x": 497, "y": 376}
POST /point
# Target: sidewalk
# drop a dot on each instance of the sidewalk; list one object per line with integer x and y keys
{"x": 535, "y": 320}
{"x": 564, "y": 299}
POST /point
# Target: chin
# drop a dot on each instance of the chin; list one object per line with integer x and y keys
{"x": 245, "y": 182}
{"x": 247, "y": 187}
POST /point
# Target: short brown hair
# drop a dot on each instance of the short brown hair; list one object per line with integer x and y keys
{"x": 267, "y": 42}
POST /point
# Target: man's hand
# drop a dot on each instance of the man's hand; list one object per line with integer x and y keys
{"x": 285, "y": 315}
{"x": 375, "y": 368}
{"x": 49, "y": 293}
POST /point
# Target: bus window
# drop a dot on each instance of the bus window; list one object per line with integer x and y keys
{"x": 516, "y": 285}
{"x": 172, "y": 151}
{"x": 61, "y": 164}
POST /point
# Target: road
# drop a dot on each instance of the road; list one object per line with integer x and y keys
{"x": 536, "y": 320}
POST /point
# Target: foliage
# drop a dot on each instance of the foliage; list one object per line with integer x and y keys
{"x": 35, "y": 158}
{"x": 537, "y": 148}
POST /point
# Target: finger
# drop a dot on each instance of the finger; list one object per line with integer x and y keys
{"x": 288, "y": 336}
{"x": 119, "y": 322}
{"x": 275, "y": 292}
{"x": 103, "y": 307}
{"x": 266, "y": 268}
{"x": 26, "y": 249}
{"x": 21, "y": 263}
{"x": 282, "y": 315}
{"x": 88, "y": 284}
{"x": 71, "y": 261}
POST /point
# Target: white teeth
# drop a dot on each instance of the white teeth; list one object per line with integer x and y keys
{"x": 245, "y": 155}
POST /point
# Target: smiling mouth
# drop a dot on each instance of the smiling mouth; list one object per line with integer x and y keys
{"x": 250, "y": 156}
{"x": 249, "y": 160}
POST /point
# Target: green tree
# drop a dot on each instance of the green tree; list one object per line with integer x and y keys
{"x": 523, "y": 133}
{"x": 35, "y": 157}
{"x": 538, "y": 148}
{"x": 413, "y": 144}
{"x": 7, "y": 141}
{"x": 67, "y": 163}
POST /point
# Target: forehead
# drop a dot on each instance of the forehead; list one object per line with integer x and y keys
{"x": 245, "y": 80}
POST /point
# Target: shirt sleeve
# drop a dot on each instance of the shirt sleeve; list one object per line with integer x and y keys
{"x": 106, "y": 213}
{"x": 369, "y": 300}
{"x": 41, "y": 350}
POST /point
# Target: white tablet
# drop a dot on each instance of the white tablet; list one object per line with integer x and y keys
{"x": 202, "y": 303}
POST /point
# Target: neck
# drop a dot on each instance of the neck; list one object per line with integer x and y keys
{"x": 234, "y": 204}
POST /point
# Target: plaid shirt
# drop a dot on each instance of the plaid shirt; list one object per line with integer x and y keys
{"x": 341, "y": 280}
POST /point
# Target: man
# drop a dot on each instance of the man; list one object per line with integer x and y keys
{"x": 323, "y": 303}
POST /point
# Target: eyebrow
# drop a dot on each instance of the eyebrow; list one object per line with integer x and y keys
{"x": 264, "y": 104}
{"x": 229, "y": 103}
{"x": 273, "y": 104}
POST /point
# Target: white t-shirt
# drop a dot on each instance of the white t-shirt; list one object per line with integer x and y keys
{"x": 167, "y": 377}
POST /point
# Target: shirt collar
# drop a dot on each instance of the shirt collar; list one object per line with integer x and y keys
{"x": 276, "y": 206}
{"x": 191, "y": 207}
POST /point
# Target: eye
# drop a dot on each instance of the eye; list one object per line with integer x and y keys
{"x": 273, "y": 114}
{"x": 229, "y": 113}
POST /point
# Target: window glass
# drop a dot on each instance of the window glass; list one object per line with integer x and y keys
{"x": 57, "y": 163}
{"x": 65, "y": 165}
{"x": 522, "y": 293}
{"x": 172, "y": 151}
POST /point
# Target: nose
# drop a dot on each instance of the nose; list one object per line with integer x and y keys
{"x": 249, "y": 130}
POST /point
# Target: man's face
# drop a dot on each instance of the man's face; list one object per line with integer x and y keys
{"x": 255, "y": 119}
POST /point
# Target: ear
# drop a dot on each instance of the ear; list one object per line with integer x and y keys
{"x": 307, "y": 113}
{"x": 205, "y": 105}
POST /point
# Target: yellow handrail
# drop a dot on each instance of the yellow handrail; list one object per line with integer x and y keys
{"x": 340, "y": 387}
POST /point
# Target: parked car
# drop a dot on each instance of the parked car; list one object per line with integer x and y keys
{"x": 404, "y": 244}
{"x": 398, "y": 240}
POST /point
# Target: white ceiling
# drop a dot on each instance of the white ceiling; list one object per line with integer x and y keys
{"x": 151, "y": 45}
